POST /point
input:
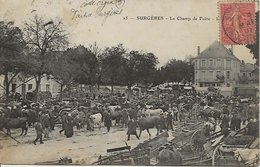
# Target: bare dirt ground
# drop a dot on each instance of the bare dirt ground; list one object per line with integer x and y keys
{"x": 84, "y": 146}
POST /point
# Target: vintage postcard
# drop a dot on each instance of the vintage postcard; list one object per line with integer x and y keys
{"x": 129, "y": 82}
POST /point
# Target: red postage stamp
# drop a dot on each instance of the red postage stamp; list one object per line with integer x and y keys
{"x": 238, "y": 24}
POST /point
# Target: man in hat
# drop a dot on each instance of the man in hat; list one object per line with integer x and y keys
{"x": 69, "y": 126}
{"x": 175, "y": 112}
{"x": 169, "y": 120}
{"x": 45, "y": 120}
{"x": 39, "y": 132}
{"x": 108, "y": 121}
{"x": 63, "y": 121}
{"x": 132, "y": 125}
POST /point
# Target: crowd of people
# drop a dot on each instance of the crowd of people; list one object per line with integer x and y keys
{"x": 177, "y": 107}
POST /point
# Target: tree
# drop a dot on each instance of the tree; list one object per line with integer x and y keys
{"x": 85, "y": 65}
{"x": 254, "y": 48}
{"x": 112, "y": 66}
{"x": 138, "y": 68}
{"x": 43, "y": 38}
{"x": 63, "y": 71}
{"x": 178, "y": 70}
{"x": 97, "y": 51}
{"x": 12, "y": 49}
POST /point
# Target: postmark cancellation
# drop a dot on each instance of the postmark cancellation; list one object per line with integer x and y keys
{"x": 237, "y": 22}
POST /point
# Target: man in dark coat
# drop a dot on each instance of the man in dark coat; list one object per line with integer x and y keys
{"x": 169, "y": 121}
{"x": 63, "y": 121}
{"x": 235, "y": 122}
{"x": 39, "y": 132}
{"x": 108, "y": 121}
{"x": 45, "y": 120}
{"x": 132, "y": 125}
{"x": 69, "y": 126}
{"x": 224, "y": 124}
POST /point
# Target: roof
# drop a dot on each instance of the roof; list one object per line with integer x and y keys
{"x": 217, "y": 50}
{"x": 247, "y": 67}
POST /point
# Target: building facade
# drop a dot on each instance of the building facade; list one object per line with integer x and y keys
{"x": 249, "y": 73}
{"x": 26, "y": 85}
{"x": 216, "y": 66}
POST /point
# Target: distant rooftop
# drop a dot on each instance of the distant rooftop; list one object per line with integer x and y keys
{"x": 247, "y": 67}
{"x": 217, "y": 50}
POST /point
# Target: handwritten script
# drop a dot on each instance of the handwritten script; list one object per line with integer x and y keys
{"x": 98, "y": 8}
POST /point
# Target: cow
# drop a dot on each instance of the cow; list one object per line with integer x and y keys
{"x": 152, "y": 112}
{"x": 96, "y": 120}
{"x": 148, "y": 106}
{"x": 115, "y": 113}
{"x": 30, "y": 115}
{"x": 149, "y": 122}
{"x": 14, "y": 123}
{"x": 78, "y": 120}
{"x": 207, "y": 113}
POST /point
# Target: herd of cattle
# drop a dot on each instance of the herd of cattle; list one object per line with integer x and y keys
{"x": 147, "y": 117}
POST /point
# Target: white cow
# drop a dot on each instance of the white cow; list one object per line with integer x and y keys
{"x": 114, "y": 108}
{"x": 148, "y": 106}
{"x": 96, "y": 119}
{"x": 152, "y": 112}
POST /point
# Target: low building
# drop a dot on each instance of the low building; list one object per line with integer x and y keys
{"x": 23, "y": 86}
{"x": 249, "y": 73}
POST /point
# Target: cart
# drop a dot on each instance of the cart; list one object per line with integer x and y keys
{"x": 124, "y": 156}
{"x": 225, "y": 153}
{"x": 194, "y": 147}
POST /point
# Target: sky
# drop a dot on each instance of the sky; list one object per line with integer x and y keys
{"x": 167, "y": 39}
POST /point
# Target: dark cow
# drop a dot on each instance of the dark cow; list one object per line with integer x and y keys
{"x": 206, "y": 113}
{"x": 14, "y": 123}
{"x": 115, "y": 113}
{"x": 30, "y": 115}
{"x": 149, "y": 122}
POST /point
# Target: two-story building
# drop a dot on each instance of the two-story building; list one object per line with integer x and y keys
{"x": 216, "y": 66}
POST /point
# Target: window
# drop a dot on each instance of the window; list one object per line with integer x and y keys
{"x": 211, "y": 75}
{"x": 218, "y": 63}
{"x": 203, "y": 63}
{"x": 203, "y": 75}
{"x": 244, "y": 74}
{"x": 235, "y": 64}
{"x": 29, "y": 86}
{"x": 228, "y": 63}
{"x": 228, "y": 74}
{"x": 228, "y": 84}
{"x": 211, "y": 63}
{"x": 218, "y": 84}
{"x": 47, "y": 87}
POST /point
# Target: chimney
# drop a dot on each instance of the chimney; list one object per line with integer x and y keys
{"x": 198, "y": 50}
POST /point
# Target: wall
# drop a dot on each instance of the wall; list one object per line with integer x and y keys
{"x": 47, "y": 84}
{"x": 208, "y": 72}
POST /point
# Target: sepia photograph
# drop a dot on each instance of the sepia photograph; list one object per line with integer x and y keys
{"x": 129, "y": 82}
